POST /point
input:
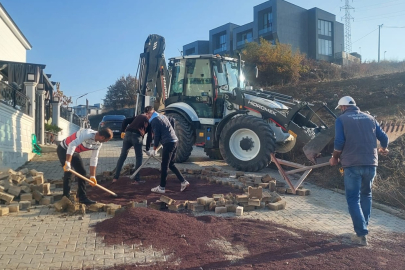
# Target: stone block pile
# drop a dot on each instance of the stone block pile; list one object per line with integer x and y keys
{"x": 19, "y": 190}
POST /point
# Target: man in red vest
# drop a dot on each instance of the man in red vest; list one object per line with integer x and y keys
{"x": 69, "y": 155}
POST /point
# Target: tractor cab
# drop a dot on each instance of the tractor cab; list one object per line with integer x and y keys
{"x": 201, "y": 81}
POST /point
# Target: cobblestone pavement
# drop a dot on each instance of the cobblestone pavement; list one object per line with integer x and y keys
{"x": 43, "y": 239}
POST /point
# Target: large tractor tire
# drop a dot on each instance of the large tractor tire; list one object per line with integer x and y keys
{"x": 246, "y": 143}
{"x": 214, "y": 154}
{"x": 185, "y": 134}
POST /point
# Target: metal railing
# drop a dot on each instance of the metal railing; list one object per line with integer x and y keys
{"x": 14, "y": 98}
{"x": 76, "y": 120}
{"x": 64, "y": 113}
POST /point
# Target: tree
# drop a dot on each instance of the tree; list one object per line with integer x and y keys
{"x": 277, "y": 64}
{"x": 63, "y": 100}
{"x": 122, "y": 93}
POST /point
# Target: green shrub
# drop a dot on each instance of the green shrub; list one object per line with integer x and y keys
{"x": 52, "y": 128}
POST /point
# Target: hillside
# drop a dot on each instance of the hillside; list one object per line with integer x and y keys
{"x": 382, "y": 95}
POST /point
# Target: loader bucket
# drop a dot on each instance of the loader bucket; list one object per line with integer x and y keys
{"x": 314, "y": 147}
{"x": 393, "y": 129}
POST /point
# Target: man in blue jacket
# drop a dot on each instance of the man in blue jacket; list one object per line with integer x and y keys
{"x": 164, "y": 134}
{"x": 356, "y": 135}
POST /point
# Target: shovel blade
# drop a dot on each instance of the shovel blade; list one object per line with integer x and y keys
{"x": 315, "y": 146}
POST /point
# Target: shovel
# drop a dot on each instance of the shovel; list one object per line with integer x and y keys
{"x": 146, "y": 161}
{"x": 97, "y": 185}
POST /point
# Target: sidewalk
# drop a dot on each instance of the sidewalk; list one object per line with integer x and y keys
{"x": 43, "y": 239}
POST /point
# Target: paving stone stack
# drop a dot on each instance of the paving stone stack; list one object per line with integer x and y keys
{"x": 19, "y": 190}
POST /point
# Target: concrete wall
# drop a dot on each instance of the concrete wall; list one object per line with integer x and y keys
{"x": 67, "y": 129}
{"x": 10, "y": 47}
{"x": 15, "y": 137}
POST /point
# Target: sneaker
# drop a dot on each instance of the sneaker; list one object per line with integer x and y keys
{"x": 359, "y": 240}
{"x": 86, "y": 201}
{"x": 184, "y": 185}
{"x": 158, "y": 189}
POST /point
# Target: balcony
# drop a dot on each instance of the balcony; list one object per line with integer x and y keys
{"x": 243, "y": 42}
{"x": 219, "y": 50}
{"x": 265, "y": 30}
{"x": 14, "y": 98}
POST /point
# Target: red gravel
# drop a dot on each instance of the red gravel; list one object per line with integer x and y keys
{"x": 267, "y": 245}
{"x": 127, "y": 192}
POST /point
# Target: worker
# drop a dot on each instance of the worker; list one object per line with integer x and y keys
{"x": 69, "y": 155}
{"x": 164, "y": 134}
{"x": 133, "y": 130}
{"x": 355, "y": 146}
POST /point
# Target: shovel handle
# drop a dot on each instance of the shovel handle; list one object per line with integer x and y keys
{"x": 146, "y": 161}
{"x": 97, "y": 185}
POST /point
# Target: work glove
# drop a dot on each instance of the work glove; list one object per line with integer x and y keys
{"x": 93, "y": 181}
{"x": 122, "y": 135}
{"x": 67, "y": 166}
{"x": 151, "y": 153}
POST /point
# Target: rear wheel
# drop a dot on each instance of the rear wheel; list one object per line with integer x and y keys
{"x": 246, "y": 143}
{"x": 213, "y": 154}
{"x": 185, "y": 134}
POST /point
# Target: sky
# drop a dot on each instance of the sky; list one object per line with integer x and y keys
{"x": 88, "y": 44}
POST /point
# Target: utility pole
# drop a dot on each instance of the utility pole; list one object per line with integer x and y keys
{"x": 379, "y": 34}
{"x": 348, "y": 29}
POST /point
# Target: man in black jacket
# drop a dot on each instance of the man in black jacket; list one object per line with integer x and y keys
{"x": 133, "y": 131}
{"x": 164, "y": 134}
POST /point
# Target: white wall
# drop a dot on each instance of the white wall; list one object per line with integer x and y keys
{"x": 15, "y": 137}
{"x": 10, "y": 46}
{"x": 67, "y": 129}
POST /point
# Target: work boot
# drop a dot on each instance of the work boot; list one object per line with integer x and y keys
{"x": 359, "y": 240}
{"x": 184, "y": 185}
{"x": 86, "y": 201}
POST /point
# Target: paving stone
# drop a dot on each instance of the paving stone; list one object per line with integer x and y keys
{"x": 97, "y": 207}
{"x": 14, "y": 190}
{"x": 303, "y": 192}
{"x": 14, "y": 207}
{"x": 25, "y": 205}
{"x": 205, "y": 200}
{"x": 6, "y": 197}
{"x": 38, "y": 179}
{"x": 280, "y": 205}
{"x": 4, "y": 211}
{"x": 254, "y": 202}
{"x": 166, "y": 200}
{"x": 26, "y": 197}
{"x": 255, "y": 193}
{"x": 37, "y": 195}
{"x": 242, "y": 198}
{"x": 239, "y": 211}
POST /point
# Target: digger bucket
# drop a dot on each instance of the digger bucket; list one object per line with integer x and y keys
{"x": 393, "y": 129}
{"x": 315, "y": 146}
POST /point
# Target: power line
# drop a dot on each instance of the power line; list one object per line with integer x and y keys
{"x": 93, "y": 91}
{"x": 373, "y": 6}
{"x": 394, "y": 26}
{"x": 365, "y": 35}
{"x": 372, "y": 19}
{"x": 399, "y": 11}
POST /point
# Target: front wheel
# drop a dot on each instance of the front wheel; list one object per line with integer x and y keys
{"x": 246, "y": 143}
{"x": 185, "y": 134}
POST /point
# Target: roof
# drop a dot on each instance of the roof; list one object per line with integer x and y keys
{"x": 14, "y": 28}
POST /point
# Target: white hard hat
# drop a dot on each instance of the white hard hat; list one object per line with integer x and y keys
{"x": 346, "y": 101}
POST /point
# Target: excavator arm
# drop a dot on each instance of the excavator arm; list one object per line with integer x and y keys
{"x": 152, "y": 75}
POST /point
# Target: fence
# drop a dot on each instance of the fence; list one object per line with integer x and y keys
{"x": 14, "y": 98}
{"x": 76, "y": 120}
{"x": 64, "y": 113}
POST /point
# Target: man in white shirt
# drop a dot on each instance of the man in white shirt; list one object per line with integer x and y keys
{"x": 69, "y": 155}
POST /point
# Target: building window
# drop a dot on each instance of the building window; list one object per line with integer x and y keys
{"x": 190, "y": 51}
{"x": 244, "y": 37}
{"x": 220, "y": 41}
{"x": 324, "y": 47}
{"x": 324, "y": 28}
{"x": 265, "y": 22}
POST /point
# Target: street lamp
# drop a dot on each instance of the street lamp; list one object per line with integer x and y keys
{"x": 80, "y": 97}
{"x": 384, "y": 55}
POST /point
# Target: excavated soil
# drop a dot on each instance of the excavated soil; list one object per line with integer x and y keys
{"x": 209, "y": 242}
{"x": 127, "y": 192}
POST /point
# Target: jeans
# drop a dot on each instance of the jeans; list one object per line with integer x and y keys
{"x": 135, "y": 140}
{"x": 78, "y": 166}
{"x": 358, "y": 183}
{"x": 168, "y": 155}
